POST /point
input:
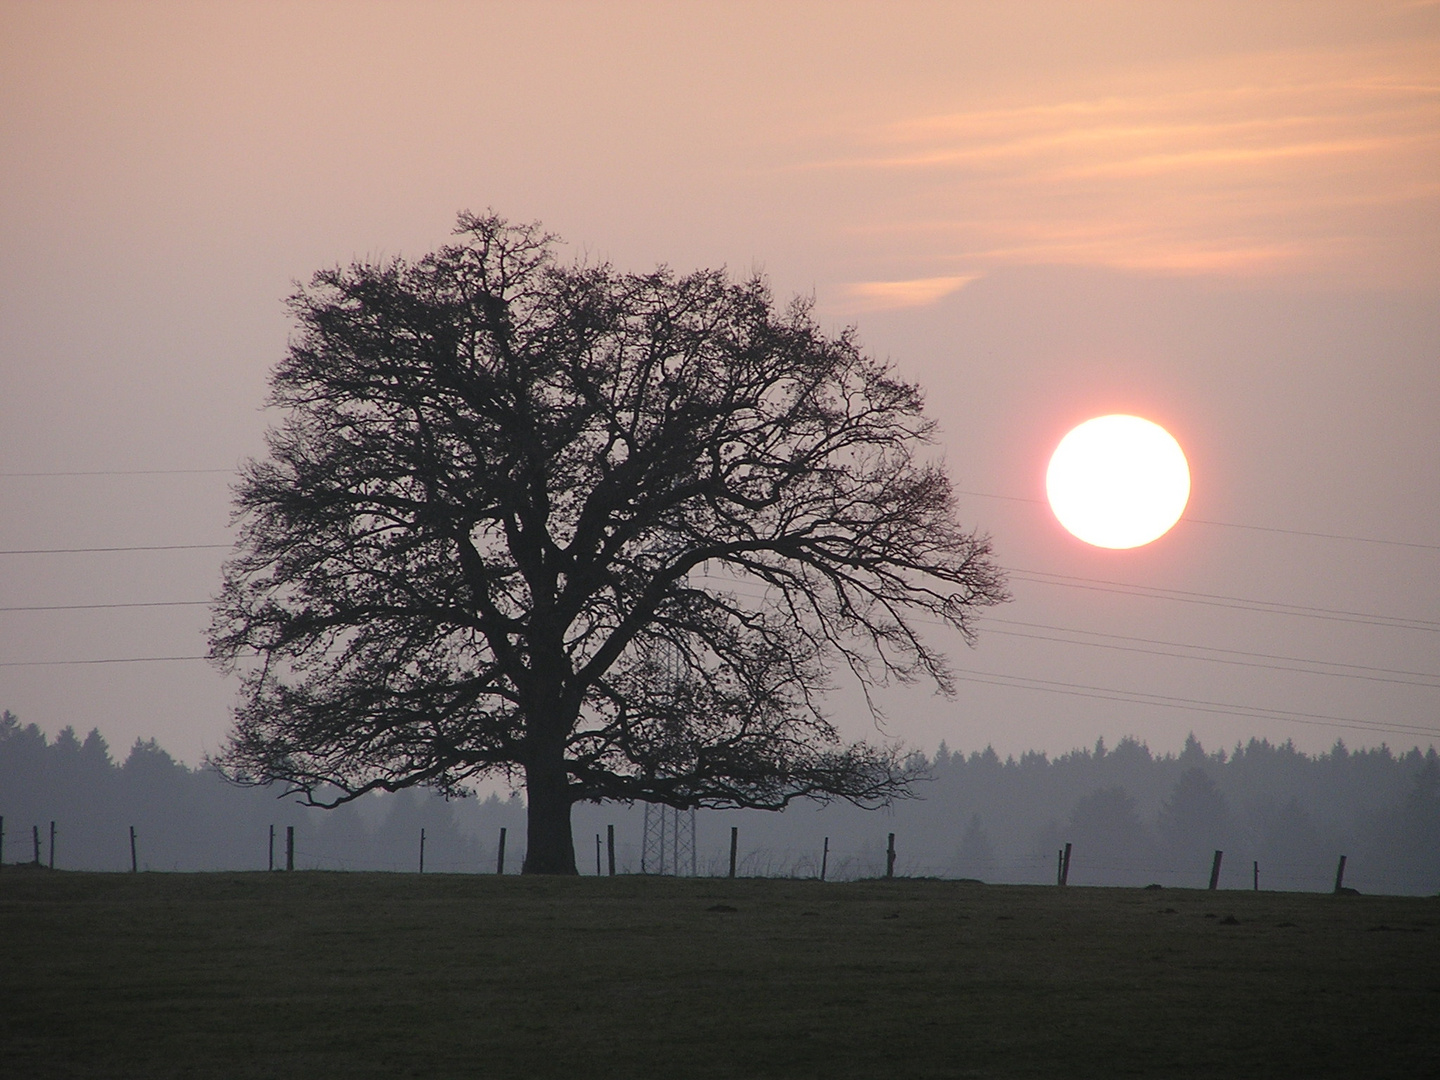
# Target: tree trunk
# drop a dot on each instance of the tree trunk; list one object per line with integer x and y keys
{"x": 550, "y": 848}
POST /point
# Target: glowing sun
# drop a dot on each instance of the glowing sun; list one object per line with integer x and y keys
{"x": 1118, "y": 481}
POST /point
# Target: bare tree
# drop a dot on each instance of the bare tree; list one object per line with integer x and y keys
{"x": 608, "y": 532}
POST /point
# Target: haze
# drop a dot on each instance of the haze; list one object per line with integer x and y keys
{"x": 1222, "y": 217}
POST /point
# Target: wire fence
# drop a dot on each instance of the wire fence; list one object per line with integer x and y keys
{"x": 451, "y": 852}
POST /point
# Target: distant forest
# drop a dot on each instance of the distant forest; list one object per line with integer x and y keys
{"x": 1131, "y": 816}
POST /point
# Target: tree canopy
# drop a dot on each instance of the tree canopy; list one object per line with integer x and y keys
{"x": 610, "y": 533}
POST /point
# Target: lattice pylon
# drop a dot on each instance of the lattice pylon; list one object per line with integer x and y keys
{"x": 652, "y": 844}
{"x": 668, "y": 844}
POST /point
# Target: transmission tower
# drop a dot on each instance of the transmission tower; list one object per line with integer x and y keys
{"x": 668, "y": 842}
{"x": 668, "y": 846}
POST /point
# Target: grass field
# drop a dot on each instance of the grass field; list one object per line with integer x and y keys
{"x": 358, "y": 975}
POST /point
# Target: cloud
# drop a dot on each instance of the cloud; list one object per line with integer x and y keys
{"x": 883, "y": 295}
{"x": 1292, "y": 162}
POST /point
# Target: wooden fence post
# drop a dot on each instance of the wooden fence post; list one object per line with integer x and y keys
{"x": 1215, "y": 871}
{"x": 1065, "y": 866}
{"x": 500, "y": 854}
{"x": 422, "y": 849}
{"x": 52, "y": 845}
{"x": 610, "y": 842}
{"x": 597, "y": 854}
{"x": 824, "y": 858}
{"x": 734, "y": 845}
{"x": 289, "y": 847}
{"x": 1257, "y": 877}
{"x": 36, "y": 829}
{"x": 272, "y": 847}
{"x": 890, "y": 857}
{"x": 134, "y": 862}
{"x": 1340, "y": 876}
{"x": 1059, "y": 866}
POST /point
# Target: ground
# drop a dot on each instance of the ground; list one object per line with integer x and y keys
{"x": 358, "y": 975}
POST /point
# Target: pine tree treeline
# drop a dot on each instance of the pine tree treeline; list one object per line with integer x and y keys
{"x": 1133, "y": 817}
{"x": 193, "y": 819}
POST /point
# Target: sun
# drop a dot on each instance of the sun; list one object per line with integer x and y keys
{"x": 1118, "y": 481}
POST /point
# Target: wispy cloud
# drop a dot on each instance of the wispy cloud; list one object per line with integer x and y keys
{"x": 1294, "y": 162}
{"x": 882, "y": 295}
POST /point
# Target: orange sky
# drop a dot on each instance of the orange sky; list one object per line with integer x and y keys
{"x": 1224, "y": 216}
{"x": 880, "y": 143}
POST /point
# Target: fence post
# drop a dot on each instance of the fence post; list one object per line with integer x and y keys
{"x": 1340, "y": 876}
{"x": 1257, "y": 876}
{"x": 500, "y": 855}
{"x": 1059, "y": 866}
{"x": 890, "y": 857}
{"x": 610, "y": 841}
{"x": 1215, "y": 871}
{"x": 422, "y": 850}
{"x": 289, "y": 847}
{"x": 1065, "y": 866}
{"x": 52, "y": 845}
{"x": 272, "y": 847}
{"x": 36, "y": 829}
{"x": 824, "y": 858}
{"x": 597, "y": 855}
{"x": 134, "y": 862}
{"x": 734, "y": 844}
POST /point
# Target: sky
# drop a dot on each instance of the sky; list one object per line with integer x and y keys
{"x": 1222, "y": 217}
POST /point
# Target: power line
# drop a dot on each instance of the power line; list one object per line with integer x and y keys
{"x": 753, "y": 594}
{"x": 93, "y": 607}
{"x": 1319, "y": 535}
{"x": 91, "y": 550}
{"x": 1218, "y": 660}
{"x": 106, "y": 660}
{"x": 1194, "y": 704}
{"x": 1433, "y": 685}
{"x": 1136, "y": 697}
{"x": 1239, "y": 603}
{"x": 1214, "y": 649}
{"x": 119, "y": 472}
{"x": 1023, "y": 682}
{"x": 1237, "y": 525}
{"x": 1354, "y": 671}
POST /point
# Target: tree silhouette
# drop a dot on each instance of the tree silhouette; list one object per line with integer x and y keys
{"x": 606, "y": 532}
{"x": 1196, "y": 818}
{"x": 975, "y": 857}
{"x": 1106, "y": 827}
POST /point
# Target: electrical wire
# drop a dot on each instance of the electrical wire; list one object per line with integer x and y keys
{"x": 1237, "y": 603}
{"x": 1352, "y": 668}
{"x": 106, "y": 660}
{"x": 118, "y": 472}
{"x": 1355, "y": 671}
{"x": 974, "y": 494}
{"x": 92, "y": 550}
{"x": 993, "y": 678}
{"x": 1217, "y": 659}
{"x": 1136, "y": 697}
{"x": 1212, "y": 648}
{"x": 94, "y": 607}
{"x": 1237, "y": 525}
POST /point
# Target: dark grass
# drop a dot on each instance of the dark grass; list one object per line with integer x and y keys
{"x": 369, "y": 975}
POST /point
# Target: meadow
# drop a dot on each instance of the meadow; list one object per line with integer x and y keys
{"x": 387, "y": 975}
